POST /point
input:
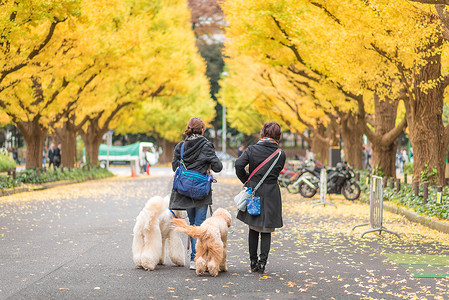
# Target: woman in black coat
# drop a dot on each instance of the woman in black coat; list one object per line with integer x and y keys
{"x": 199, "y": 155}
{"x": 270, "y": 216}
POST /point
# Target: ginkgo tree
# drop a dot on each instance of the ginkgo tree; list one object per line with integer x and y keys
{"x": 135, "y": 51}
{"x": 165, "y": 84}
{"x": 364, "y": 49}
{"x": 29, "y": 28}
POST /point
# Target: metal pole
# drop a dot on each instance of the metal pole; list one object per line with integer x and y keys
{"x": 223, "y": 137}
{"x": 108, "y": 141}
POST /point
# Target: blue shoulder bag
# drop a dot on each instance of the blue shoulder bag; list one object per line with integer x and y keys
{"x": 191, "y": 183}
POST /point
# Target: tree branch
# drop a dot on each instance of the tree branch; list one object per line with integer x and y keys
{"x": 332, "y": 16}
{"x": 444, "y": 17}
{"x": 33, "y": 53}
{"x": 393, "y": 134}
{"x": 445, "y": 2}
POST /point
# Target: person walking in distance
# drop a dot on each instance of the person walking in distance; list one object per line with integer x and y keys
{"x": 44, "y": 157}
{"x": 57, "y": 156}
{"x": 199, "y": 155}
{"x": 51, "y": 153}
{"x": 261, "y": 226}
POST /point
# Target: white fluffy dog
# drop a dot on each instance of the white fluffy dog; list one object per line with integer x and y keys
{"x": 152, "y": 230}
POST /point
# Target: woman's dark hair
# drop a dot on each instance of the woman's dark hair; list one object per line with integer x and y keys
{"x": 195, "y": 126}
{"x": 271, "y": 130}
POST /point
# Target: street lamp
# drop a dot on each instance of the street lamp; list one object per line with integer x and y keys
{"x": 223, "y": 137}
{"x": 223, "y": 134}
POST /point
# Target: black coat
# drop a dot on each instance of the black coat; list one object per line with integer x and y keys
{"x": 199, "y": 155}
{"x": 51, "y": 154}
{"x": 269, "y": 192}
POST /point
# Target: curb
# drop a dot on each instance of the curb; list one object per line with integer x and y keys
{"x": 414, "y": 217}
{"x": 39, "y": 187}
{"x": 14, "y": 191}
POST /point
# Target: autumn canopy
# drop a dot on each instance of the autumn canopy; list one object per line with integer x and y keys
{"x": 334, "y": 69}
{"x": 82, "y": 67}
{"x": 343, "y": 67}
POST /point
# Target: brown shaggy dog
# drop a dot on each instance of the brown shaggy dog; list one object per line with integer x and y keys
{"x": 211, "y": 242}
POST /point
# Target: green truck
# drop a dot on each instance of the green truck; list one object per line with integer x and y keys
{"x": 140, "y": 153}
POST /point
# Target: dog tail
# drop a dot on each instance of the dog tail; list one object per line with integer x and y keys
{"x": 191, "y": 230}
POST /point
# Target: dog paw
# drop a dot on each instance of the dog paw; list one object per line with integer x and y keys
{"x": 199, "y": 272}
{"x": 149, "y": 268}
{"x": 137, "y": 261}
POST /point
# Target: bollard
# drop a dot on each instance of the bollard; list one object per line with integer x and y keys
{"x": 9, "y": 171}
{"x": 14, "y": 174}
{"x": 392, "y": 180}
{"x": 440, "y": 195}
{"x": 385, "y": 183}
{"x": 398, "y": 185}
{"x": 425, "y": 192}
{"x": 416, "y": 187}
{"x": 405, "y": 178}
{"x": 357, "y": 176}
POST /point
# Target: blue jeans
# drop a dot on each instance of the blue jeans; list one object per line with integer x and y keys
{"x": 196, "y": 215}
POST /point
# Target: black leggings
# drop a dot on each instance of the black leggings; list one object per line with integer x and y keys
{"x": 253, "y": 242}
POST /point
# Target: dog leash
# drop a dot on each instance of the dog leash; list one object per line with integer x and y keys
{"x": 173, "y": 213}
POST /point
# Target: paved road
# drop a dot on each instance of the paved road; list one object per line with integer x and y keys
{"x": 74, "y": 242}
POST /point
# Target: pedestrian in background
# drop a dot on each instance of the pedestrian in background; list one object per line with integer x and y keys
{"x": 44, "y": 157}
{"x": 57, "y": 156}
{"x": 199, "y": 155}
{"x": 51, "y": 153}
{"x": 15, "y": 155}
{"x": 270, "y": 217}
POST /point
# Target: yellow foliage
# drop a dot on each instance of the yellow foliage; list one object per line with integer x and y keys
{"x": 115, "y": 52}
{"x": 356, "y": 47}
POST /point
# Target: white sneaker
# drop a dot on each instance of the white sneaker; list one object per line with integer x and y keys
{"x": 192, "y": 265}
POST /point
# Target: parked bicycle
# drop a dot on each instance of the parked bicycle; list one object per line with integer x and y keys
{"x": 292, "y": 172}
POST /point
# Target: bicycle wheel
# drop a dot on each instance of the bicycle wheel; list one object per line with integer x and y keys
{"x": 305, "y": 190}
{"x": 293, "y": 187}
{"x": 286, "y": 179}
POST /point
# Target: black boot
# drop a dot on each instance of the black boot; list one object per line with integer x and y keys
{"x": 254, "y": 266}
{"x": 261, "y": 267}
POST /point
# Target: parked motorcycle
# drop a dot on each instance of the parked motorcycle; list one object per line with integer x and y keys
{"x": 340, "y": 180}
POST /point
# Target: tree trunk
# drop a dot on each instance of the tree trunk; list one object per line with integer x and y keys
{"x": 34, "y": 134}
{"x": 384, "y": 153}
{"x": 167, "y": 151}
{"x": 320, "y": 144}
{"x": 424, "y": 116}
{"x": 67, "y": 137}
{"x": 92, "y": 137}
{"x": 352, "y": 137}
